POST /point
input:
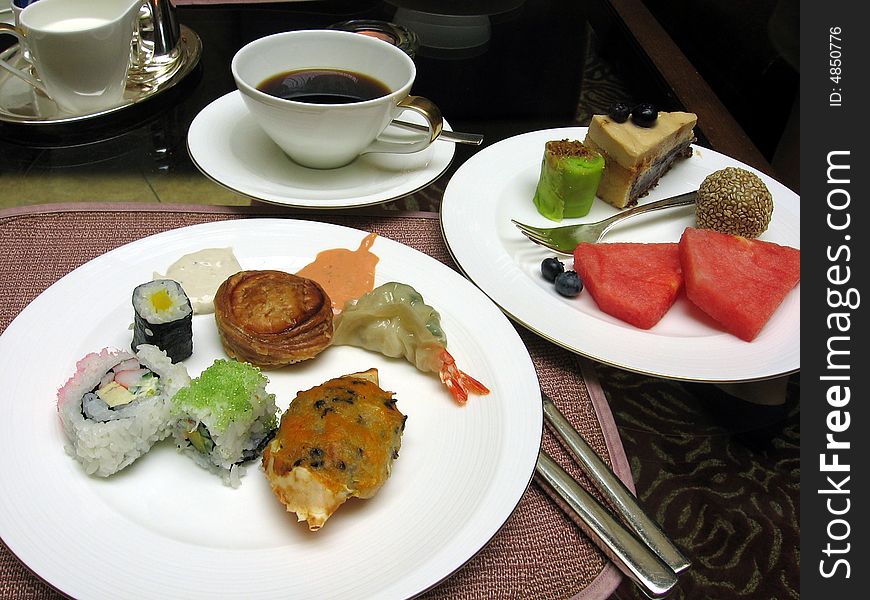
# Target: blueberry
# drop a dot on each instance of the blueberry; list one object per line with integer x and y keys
{"x": 569, "y": 284}
{"x": 551, "y": 268}
{"x": 644, "y": 115}
{"x": 619, "y": 112}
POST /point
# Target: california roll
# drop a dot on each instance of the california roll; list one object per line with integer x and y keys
{"x": 116, "y": 406}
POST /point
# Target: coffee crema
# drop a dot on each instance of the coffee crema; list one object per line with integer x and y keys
{"x": 324, "y": 86}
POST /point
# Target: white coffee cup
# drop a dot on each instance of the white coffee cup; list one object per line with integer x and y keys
{"x": 80, "y": 50}
{"x": 326, "y": 136}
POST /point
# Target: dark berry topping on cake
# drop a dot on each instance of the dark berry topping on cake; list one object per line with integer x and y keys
{"x": 644, "y": 115}
{"x": 619, "y": 112}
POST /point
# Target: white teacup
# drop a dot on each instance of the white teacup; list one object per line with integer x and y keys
{"x": 324, "y": 135}
{"x": 80, "y": 50}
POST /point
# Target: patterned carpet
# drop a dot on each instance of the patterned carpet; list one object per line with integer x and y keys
{"x": 721, "y": 475}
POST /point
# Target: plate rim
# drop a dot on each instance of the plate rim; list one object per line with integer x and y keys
{"x": 578, "y": 131}
{"x": 471, "y": 289}
{"x": 389, "y": 195}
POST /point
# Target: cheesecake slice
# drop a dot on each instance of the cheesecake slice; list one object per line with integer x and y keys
{"x": 636, "y": 157}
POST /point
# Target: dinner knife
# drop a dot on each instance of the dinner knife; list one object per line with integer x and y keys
{"x": 628, "y": 553}
{"x": 614, "y": 491}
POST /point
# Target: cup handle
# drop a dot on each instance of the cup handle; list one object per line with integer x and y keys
{"x": 11, "y": 30}
{"x": 435, "y": 123}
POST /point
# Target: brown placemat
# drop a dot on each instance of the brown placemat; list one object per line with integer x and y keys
{"x": 539, "y": 552}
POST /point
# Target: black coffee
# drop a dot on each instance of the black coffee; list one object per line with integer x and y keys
{"x": 324, "y": 86}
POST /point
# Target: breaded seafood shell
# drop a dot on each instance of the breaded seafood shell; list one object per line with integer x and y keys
{"x": 336, "y": 441}
{"x": 272, "y": 318}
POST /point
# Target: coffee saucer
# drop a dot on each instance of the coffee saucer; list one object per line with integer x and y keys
{"x": 21, "y": 104}
{"x": 228, "y": 146}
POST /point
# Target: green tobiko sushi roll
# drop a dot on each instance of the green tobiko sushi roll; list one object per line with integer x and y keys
{"x": 163, "y": 317}
{"x": 225, "y": 418}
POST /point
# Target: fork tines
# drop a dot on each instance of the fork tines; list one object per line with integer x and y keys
{"x": 538, "y": 236}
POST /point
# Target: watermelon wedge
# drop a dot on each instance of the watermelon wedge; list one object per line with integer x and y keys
{"x": 636, "y": 283}
{"x": 737, "y": 281}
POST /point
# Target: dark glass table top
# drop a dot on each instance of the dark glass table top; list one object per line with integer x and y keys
{"x": 522, "y": 65}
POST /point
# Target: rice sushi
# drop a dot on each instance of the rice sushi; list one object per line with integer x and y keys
{"x": 225, "y": 418}
{"x": 116, "y": 406}
{"x": 163, "y": 317}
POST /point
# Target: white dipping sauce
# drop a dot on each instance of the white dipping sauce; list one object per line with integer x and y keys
{"x": 201, "y": 273}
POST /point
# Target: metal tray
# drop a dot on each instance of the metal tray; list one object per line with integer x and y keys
{"x": 21, "y": 104}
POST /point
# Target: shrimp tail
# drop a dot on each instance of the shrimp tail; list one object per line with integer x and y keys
{"x": 459, "y": 384}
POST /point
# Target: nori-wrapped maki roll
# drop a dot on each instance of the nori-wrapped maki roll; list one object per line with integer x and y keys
{"x": 225, "y": 418}
{"x": 163, "y": 317}
{"x": 116, "y": 406}
{"x": 570, "y": 173}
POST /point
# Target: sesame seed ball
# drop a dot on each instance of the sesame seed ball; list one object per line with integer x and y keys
{"x": 734, "y": 201}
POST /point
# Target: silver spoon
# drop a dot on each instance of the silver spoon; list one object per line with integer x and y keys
{"x": 475, "y": 139}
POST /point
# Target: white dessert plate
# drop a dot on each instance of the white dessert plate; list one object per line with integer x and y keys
{"x": 166, "y": 528}
{"x": 227, "y": 145}
{"x": 685, "y": 344}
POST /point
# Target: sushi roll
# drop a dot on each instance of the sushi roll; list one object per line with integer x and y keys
{"x": 225, "y": 418}
{"x": 336, "y": 441}
{"x": 116, "y": 406}
{"x": 163, "y": 317}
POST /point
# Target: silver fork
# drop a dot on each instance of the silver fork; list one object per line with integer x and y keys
{"x": 564, "y": 239}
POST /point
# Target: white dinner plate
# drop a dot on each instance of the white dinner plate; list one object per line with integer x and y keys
{"x": 228, "y": 146}
{"x": 497, "y": 185}
{"x": 166, "y": 528}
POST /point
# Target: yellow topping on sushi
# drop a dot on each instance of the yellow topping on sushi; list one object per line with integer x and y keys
{"x": 161, "y": 300}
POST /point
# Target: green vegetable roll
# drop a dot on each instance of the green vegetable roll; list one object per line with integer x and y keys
{"x": 570, "y": 173}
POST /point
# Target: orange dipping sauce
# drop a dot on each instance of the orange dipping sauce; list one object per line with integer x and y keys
{"x": 344, "y": 274}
